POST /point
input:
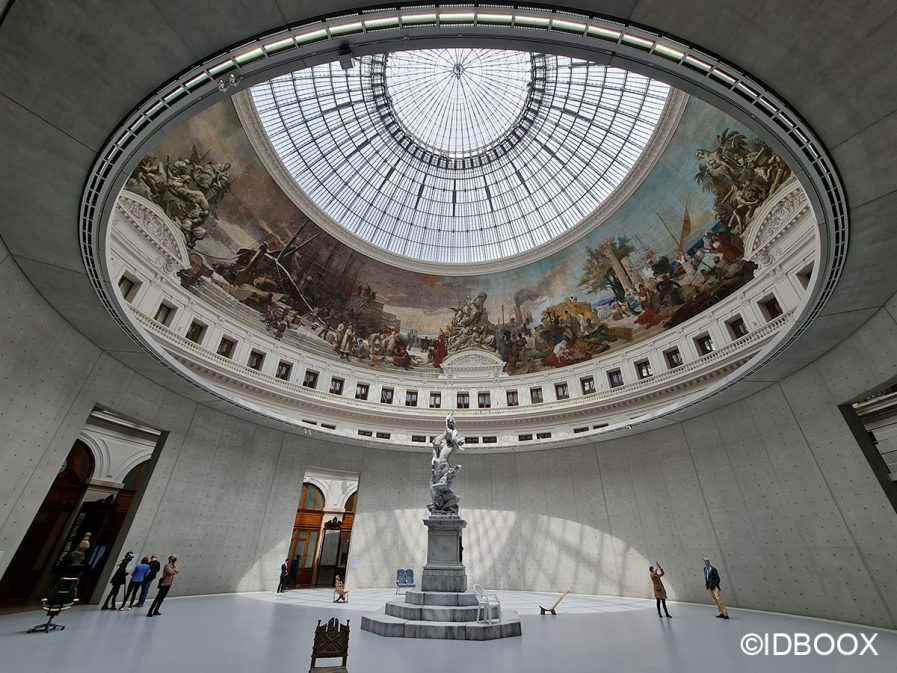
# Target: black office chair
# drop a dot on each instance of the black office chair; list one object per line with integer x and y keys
{"x": 62, "y": 597}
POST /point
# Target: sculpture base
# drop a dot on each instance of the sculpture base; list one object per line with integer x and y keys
{"x": 444, "y": 570}
{"x": 443, "y": 608}
{"x": 443, "y": 615}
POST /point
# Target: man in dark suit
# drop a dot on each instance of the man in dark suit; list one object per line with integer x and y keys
{"x": 711, "y": 582}
{"x": 284, "y": 574}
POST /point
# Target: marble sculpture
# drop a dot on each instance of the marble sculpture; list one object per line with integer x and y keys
{"x": 443, "y": 500}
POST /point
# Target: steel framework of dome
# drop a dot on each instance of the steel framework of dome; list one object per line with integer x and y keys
{"x": 459, "y": 156}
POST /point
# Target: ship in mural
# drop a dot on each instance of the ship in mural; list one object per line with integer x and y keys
{"x": 672, "y": 251}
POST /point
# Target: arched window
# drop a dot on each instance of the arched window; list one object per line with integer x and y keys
{"x": 134, "y": 477}
{"x": 312, "y": 497}
{"x": 350, "y": 502}
{"x": 78, "y": 466}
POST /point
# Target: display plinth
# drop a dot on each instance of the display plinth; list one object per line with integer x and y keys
{"x": 443, "y": 608}
{"x": 444, "y": 570}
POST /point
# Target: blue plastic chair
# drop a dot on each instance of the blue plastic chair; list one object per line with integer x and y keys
{"x": 404, "y": 579}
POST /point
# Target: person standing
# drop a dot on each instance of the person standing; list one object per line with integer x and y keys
{"x": 660, "y": 592}
{"x": 711, "y": 581}
{"x": 119, "y": 577}
{"x": 294, "y": 571}
{"x": 284, "y": 573}
{"x": 168, "y": 572}
{"x": 138, "y": 575}
{"x": 154, "y": 568}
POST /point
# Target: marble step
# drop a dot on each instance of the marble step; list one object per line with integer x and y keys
{"x": 440, "y": 598}
{"x": 437, "y": 613}
{"x": 386, "y": 625}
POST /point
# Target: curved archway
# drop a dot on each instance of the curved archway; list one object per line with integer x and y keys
{"x": 306, "y": 534}
{"x": 100, "y": 452}
{"x": 312, "y": 497}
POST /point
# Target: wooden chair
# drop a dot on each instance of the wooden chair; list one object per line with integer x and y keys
{"x": 555, "y": 606}
{"x": 331, "y": 641}
{"x": 62, "y": 597}
{"x": 340, "y": 592}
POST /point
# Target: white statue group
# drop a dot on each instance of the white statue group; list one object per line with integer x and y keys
{"x": 443, "y": 499}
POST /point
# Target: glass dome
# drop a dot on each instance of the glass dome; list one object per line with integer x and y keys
{"x": 459, "y": 156}
{"x": 457, "y": 102}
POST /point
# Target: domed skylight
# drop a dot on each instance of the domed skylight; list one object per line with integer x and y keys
{"x": 457, "y": 102}
{"x": 459, "y": 156}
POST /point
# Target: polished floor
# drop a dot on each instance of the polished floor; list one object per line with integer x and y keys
{"x": 238, "y": 633}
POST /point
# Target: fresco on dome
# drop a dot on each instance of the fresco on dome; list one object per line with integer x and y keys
{"x": 670, "y": 252}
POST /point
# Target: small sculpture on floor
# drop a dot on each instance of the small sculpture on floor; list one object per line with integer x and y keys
{"x": 340, "y": 592}
{"x": 80, "y": 552}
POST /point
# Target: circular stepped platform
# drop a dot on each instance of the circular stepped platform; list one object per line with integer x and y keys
{"x": 438, "y": 613}
{"x": 443, "y": 615}
{"x": 395, "y": 627}
{"x": 466, "y": 598}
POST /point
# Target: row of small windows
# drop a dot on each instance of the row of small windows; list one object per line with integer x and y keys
{"x": 371, "y": 433}
{"x": 227, "y": 346}
{"x": 673, "y": 358}
{"x": 489, "y": 439}
{"x": 529, "y": 437}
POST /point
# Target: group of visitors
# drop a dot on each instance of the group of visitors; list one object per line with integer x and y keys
{"x": 711, "y": 583}
{"x": 142, "y": 576}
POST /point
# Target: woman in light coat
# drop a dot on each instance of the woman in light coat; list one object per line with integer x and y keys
{"x": 660, "y": 592}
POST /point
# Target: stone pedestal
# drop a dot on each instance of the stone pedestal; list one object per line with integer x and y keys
{"x": 443, "y": 608}
{"x": 444, "y": 570}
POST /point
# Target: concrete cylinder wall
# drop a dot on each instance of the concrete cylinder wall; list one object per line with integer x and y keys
{"x": 223, "y": 491}
{"x": 774, "y": 488}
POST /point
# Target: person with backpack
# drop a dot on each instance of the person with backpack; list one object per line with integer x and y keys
{"x": 138, "y": 575}
{"x": 119, "y": 577}
{"x": 154, "y": 568}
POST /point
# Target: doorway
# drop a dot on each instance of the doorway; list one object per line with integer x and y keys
{"x": 84, "y": 511}
{"x": 21, "y": 581}
{"x": 322, "y": 530}
{"x": 873, "y": 422}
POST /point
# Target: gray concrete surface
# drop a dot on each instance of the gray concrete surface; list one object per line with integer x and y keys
{"x": 238, "y": 633}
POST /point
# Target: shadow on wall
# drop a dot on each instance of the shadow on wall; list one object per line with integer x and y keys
{"x": 514, "y": 551}
{"x": 521, "y": 551}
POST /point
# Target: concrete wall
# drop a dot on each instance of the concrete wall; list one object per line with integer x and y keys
{"x": 773, "y": 488}
{"x": 223, "y": 492}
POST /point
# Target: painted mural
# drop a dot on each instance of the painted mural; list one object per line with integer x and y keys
{"x": 670, "y": 252}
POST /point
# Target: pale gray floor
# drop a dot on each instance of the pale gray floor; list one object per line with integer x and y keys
{"x": 259, "y": 632}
